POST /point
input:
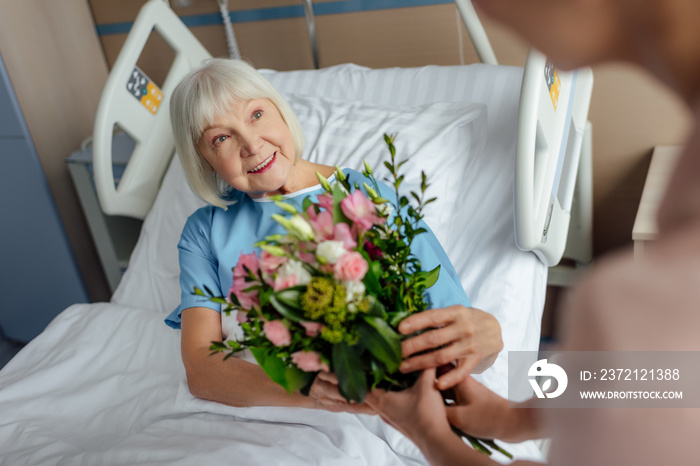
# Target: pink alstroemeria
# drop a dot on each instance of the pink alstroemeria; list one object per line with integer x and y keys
{"x": 309, "y": 361}
{"x": 277, "y": 333}
{"x": 326, "y": 202}
{"x": 247, "y": 299}
{"x": 343, "y": 234}
{"x": 351, "y": 266}
{"x": 269, "y": 262}
{"x": 360, "y": 209}
{"x": 312, "y": 328}
{"x": 249, "y": 261}
{"x": 322, "y": 224}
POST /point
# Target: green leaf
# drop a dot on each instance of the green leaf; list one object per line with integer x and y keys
{"x": 338, "y": 215}
{"x": 381, "y": 340}
{"x": 287, "y": 311}
{"x": 296, "y": 379}
{"x": 347, "y": 365}
{"x": 378, "y": 372}
{"x": 371, "y": 280}
{"x": 291, "y": 296}
{"x": 377, "y": 309}
{"x": 273, "y": 366}
{"x": 306, "y": 204}
{"x": 428, "y": 279}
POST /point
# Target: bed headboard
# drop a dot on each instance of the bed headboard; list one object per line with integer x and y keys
{"x": 552, "y": 118}
{"x": 139, "y": 108}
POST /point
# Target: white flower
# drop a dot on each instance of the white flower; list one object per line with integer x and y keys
{"x": 354, "y": 291}
{"x": 385, "y": 209}
{"x": 295, "y": 270}
{"x": 330, "y": 251}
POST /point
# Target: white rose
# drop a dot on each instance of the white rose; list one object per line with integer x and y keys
{"x": 330, "y": 251}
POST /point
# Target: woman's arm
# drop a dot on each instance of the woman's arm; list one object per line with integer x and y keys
{"x": 240, "y": 383}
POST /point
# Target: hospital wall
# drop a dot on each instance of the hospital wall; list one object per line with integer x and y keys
{"x": 58, "y": 58}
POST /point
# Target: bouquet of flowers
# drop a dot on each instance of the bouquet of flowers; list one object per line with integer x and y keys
{"x": 330, "y": 293}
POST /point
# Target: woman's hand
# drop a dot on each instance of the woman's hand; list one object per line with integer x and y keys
{"x": 415, "y": 411}
{"x": 325, "y": 395}
{"x": 469, "y": 336}
{"x": 482, "y": 413}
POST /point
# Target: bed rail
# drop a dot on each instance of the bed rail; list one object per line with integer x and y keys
{"x": 552, "y": 122}
{"x": 136, "y": 105}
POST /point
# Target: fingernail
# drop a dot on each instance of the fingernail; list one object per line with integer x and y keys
{"x": 404, "y": 327}
{"x": 405, "y": 366}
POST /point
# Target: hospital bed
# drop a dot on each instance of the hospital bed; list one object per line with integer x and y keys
{"x": 104, "y": 383}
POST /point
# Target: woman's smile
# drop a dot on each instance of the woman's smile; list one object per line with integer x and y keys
{"x": 265, "y": 165}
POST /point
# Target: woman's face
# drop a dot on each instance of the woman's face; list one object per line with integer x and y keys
{"x": 250, "y": 148}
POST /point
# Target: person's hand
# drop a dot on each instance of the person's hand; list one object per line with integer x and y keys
{"x": 469, "y": 336}
{"x": 324, "y": 394}
{"x": 414, "y": 411}
{"x": 482, "y": 413}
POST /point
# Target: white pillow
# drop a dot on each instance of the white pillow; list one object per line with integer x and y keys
{"x": 439, "y": 139}
{"x": 443, "y": 139}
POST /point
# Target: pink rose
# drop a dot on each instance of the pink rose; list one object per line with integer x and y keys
{"x": 241, "y": 316}
{"x": 277, "y": 333}
{"x": 248, "y": 260}
{"x": 351, "y": 266}
{"x": 343, "y": 234}
{"x": 312, "y": 328}
{"x": 247, "y": 299}
{"x": 309, "y": 361}
{"x": 360, "y": 209}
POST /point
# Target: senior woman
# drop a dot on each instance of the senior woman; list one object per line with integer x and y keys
{"x": 240, "y": 143}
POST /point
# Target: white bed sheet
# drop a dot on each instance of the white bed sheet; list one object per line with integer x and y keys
{"x": 104, "y": 383}
{"x": 116, "y": 395}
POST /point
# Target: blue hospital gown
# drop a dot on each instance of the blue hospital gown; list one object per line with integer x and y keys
{"x": 213, "y": 239}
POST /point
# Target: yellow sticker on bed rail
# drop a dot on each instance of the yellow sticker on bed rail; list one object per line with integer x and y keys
{"x": 144, "y": 90}
{"x": 551, "y": 76}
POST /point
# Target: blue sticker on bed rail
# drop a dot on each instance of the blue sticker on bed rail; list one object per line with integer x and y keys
{"x": 144, "y": 90}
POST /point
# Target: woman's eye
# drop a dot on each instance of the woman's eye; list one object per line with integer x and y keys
{"x": 219, "y": 139}
{"x": 257, "y": 114}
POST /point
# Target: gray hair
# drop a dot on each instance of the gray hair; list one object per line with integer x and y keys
{"x": 206, "y": 93}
